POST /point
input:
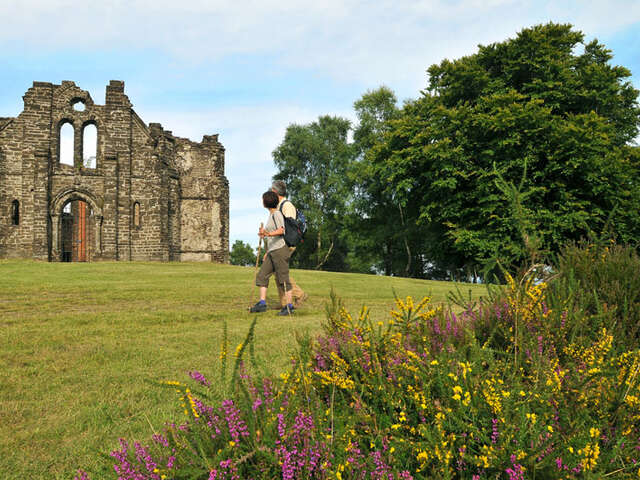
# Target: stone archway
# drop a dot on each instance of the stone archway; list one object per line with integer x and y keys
{"x": 76, "y": 221}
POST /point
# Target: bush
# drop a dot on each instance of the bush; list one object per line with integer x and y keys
{"x": 519, "y": 385}
{"x": 604, "y": 283}
{"x": 242, "y": 254}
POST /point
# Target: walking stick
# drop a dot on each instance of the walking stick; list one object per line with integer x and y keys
{"x": 255, "y": 275}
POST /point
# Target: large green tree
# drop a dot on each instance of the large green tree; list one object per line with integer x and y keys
{"x": 543, "y": 116}
{"x": 384, "y": 232}
{"x": 313, "y": 160}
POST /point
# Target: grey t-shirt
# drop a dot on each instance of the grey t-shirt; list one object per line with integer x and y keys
{"x": 275, "y": 221}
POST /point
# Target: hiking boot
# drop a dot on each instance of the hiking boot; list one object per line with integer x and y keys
{"x": 286, "y": 311}
{"x": 300, "y": 300}
{"x": 258, "y": 308}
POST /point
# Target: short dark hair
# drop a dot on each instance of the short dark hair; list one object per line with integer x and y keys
{"x": 270, "y": 199}
{"x": 279, "y": 187}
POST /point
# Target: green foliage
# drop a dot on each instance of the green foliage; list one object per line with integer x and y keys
{"x": 355, "y": 223}
{"x": 527, "y": 103}
{"x": 512, "y": 387}
{"x": 603, "y": 283}
{"x": 520, "y": 147}
{"x": 313, "y": 160}
{"x": 242, "y": 254}
{"x": 384, "y": 226}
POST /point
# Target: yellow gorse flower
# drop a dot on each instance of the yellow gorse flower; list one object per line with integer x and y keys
{"x": 590, "y": 454}
{"x": 407, "y": 310}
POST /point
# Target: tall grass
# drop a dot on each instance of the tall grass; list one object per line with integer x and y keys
{"x": 84, "y": 347}
{"x": 527, "y": 383}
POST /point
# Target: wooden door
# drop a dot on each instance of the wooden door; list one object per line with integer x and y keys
{"x": 76, "y": 232}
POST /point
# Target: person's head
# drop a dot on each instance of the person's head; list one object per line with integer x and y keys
{"x": 270, "y": 199}
{"x": 279, "y": 187}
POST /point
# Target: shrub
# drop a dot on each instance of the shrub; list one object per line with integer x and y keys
{"x": 519, "y": 385}
{"x": 242, "y": 254}
{"x": 603, "y": 281}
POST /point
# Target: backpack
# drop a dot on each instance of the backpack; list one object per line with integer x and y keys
{"x": 294, "y": 228}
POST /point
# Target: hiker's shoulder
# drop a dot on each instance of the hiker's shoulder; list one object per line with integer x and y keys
{"x": 278, "y": 217}
{"x": 288, "y": 208}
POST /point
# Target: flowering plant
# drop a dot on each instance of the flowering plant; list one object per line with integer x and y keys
{"x": 512, "y": 387}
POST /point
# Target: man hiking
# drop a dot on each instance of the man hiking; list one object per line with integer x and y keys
{"x": 288, "y": 210}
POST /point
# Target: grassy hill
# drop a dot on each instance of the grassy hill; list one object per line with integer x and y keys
{"x": 83, "y": 344}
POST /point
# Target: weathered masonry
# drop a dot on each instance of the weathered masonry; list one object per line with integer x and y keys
{"x": 85, "y": 182}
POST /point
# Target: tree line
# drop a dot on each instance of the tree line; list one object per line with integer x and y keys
{"x": 526, "y": 144}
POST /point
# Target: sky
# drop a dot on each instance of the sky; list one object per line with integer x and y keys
{"x": 248, "y": 69}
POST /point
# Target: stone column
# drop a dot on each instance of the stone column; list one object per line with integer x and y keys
{"x": 55, "y": 236}
{"x": 41, "y": 205}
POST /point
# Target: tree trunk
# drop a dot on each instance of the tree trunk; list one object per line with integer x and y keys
{"x": 388, "y": 262}
{"x": 326, "y": 257}
{"x": 318, "y": 247}
{"x": 407, "y": 269}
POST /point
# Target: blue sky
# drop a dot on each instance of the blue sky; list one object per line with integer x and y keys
{"x": 247, "y": 69}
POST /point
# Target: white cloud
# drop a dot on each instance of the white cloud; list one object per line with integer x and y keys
{"x": 368, "y": 42}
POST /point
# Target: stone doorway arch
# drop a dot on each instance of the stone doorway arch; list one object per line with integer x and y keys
{"x": 76, "y": 221}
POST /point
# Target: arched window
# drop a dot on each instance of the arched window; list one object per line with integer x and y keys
{"x": 15, "y": 212}
{"x": 66, "y": 143}
{"x": 136, "y": 215}
{"x": 89, "y": 145}
{"x": 79, "y": 106}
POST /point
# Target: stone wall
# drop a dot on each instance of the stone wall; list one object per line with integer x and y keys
{"x": 177, "y": 187}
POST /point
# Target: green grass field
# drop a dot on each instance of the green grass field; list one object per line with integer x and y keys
{"x": 83, "y": 344}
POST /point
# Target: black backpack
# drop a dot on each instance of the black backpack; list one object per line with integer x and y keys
{"x": 294, "y": 228}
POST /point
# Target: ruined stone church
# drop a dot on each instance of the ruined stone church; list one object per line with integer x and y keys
{"x": 86, "y": 182}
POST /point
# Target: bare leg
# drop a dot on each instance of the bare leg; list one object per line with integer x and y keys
{"x": 263, "y": 293}
{"x": 287, "y": 297}
{"x": 296, "y": 293}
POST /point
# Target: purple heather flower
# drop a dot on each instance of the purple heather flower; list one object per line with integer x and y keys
{"x": 199, "y": 377}
{"x": 82, "y": 475}
{"x": 494, "y": 430}
{"x": 281, "y": 425}
{"x": 382, "y": 470}
{"x": 161, "y": 439}
{"x": 143, "y": 456}
{"x": 237, "y": 426}
{"x": 517, "y": 472}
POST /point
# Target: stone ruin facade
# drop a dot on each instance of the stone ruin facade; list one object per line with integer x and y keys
{"x": 87, "y": 182}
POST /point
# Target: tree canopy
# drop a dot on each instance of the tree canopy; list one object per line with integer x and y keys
{"x": 527, "y": 142}
{"x": 242, "y": 254}
{"x": 543, "y": 112}
{"x": 313, "y": 160}
{"x": 384, "y": 227}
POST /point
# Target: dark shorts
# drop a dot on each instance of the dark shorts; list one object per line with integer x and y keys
{"x": 277, "y": 262}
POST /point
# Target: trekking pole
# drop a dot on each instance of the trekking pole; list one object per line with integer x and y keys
{"x": 255, "y": 275}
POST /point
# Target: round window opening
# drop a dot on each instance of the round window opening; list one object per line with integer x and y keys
{"x": 79, "y": 106}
